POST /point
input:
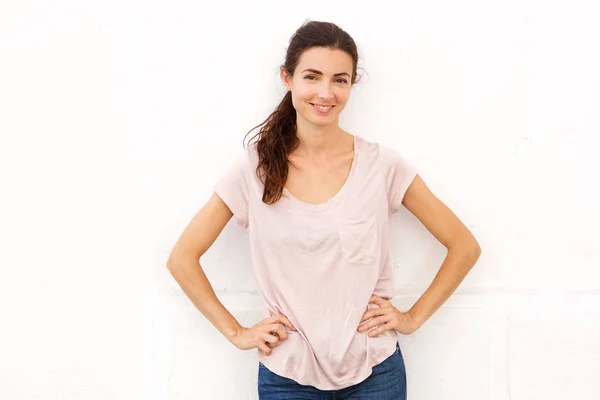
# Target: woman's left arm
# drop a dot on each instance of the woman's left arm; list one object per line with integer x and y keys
{"x": 463, "y": 249}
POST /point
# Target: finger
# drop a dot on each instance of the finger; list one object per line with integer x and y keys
{"x": 377, "y": 331}
{"x": 270, "y": 338}
{"x": 271, "y": 319}
{"x": 273, "y": 344}
{"x": 366, "y": 316}
{"x": 377, "y": 300}
{"x": 282, "y": 333}
{"x": 271, "y": 328}
{"x": 372, "y": 323}
{"x": 280, "y": 318}
{"x": 284, "y": 320}
{"x": 279, "y": 333}
{"x": 365, "y": 326}
{"x": 373, "y": 313}
{"x": 265, "y": 349}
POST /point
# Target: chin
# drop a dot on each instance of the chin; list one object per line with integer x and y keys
{"x": 329, "y": 122}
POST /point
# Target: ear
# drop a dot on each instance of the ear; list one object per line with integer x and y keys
{"x": 285, "y": 79}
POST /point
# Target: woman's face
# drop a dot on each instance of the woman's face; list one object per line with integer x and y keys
{"x": 322, "y": 77}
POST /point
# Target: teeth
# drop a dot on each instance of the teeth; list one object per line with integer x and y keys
{"x": 322, "y": 107}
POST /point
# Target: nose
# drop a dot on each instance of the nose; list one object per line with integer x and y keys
{"x": 325, "y": 92}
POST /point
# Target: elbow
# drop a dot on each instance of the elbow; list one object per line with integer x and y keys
{"x": 173, "y": 261}
{"x": 476, "y": 248}
{"x": 468, "y": 249}
{"x": 170, "y": 264}
{"x": 474, "y": 252}
{"x": 477, "y": 253}
{"x": 176, "y": 260}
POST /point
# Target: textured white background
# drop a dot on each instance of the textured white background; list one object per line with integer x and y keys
{"x": 117, "y": 117}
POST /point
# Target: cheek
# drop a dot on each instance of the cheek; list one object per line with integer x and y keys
{"x": 343, "y": 95}
{"x": 304, "y": 94}
{"x": 301, "y": 98}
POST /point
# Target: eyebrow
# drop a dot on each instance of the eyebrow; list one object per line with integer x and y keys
{"x": 320, "y": 73}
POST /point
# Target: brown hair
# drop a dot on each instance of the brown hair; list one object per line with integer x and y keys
{"x": 277, "y": 137}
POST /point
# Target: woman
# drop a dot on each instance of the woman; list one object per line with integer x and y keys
{"x": 316, "y": 202}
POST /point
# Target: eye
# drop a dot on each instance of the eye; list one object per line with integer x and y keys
{"x": 312, "y": 76}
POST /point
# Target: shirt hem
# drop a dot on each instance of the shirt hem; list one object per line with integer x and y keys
{"x": 355, "y": 380}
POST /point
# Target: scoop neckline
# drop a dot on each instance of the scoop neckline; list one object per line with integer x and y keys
{"x": 336, "y": 197}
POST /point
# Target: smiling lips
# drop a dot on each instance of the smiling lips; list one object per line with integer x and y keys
{"x": 322, "y": 109}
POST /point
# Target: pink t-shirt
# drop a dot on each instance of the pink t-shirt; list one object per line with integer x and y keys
{"x": 320, "y": 264}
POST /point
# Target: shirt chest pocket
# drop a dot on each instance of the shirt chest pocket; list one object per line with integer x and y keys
{"x": 359, "y": 238}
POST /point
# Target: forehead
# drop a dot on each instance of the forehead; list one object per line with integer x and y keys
{"x": 326, "y": 60}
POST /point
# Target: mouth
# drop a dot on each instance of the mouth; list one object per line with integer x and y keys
{"x": 323, "y": 109}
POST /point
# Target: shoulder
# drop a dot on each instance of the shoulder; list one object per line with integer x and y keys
{"x": 384, "y": 156}
{"x": 246, "y": 163}
{"x": 244, "y": 159}
{"x": 396, "y": 171}
{"x": 251, "y": 154}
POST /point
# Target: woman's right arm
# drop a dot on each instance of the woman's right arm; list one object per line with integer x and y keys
{"x": 184, "y": 264}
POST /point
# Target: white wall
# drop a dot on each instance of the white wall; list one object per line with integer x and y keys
{"x": 117, "y": 117}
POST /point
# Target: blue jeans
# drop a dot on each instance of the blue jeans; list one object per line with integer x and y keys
{"x": 386, "y": 382}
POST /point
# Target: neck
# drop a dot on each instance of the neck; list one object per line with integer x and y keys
{"x": 320, "y": 141}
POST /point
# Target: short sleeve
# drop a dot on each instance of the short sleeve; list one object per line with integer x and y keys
{"x": 232, "y": 188}
{"x": 398, "y": 174}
